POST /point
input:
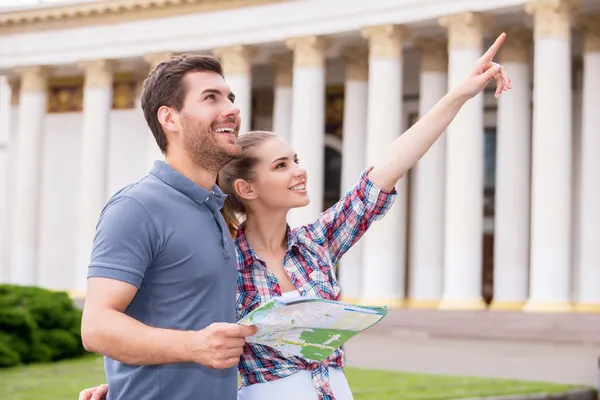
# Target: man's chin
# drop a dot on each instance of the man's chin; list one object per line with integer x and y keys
{"x": 233, "y": 150}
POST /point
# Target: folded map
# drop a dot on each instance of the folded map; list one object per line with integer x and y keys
{"x": 309, "y": 327}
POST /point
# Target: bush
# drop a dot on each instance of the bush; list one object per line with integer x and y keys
{"x": 8, "y": 356}
{"x": 37, "y": 325}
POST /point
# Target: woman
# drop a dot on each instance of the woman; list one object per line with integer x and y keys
{"x": 274, "y": 260}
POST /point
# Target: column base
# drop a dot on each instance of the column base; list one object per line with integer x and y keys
{"x": 548, "y": 307}
{"x": 586, "y": 308}
{"x": 76, "y": 294}
{"x": 507, "y": 305}
{"x": 474, "y": 304}
{"x": 350, "y": 300}
{"x": 422, "y": 304}
{"x": 390, "y": 302}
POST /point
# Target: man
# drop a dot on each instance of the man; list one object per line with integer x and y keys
{"x": 162, "y": 277}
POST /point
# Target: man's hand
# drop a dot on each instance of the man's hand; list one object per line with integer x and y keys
{"x": 484, "y": 71}
{"x": 95, "y": 393}
{"x": 220, "y": 345}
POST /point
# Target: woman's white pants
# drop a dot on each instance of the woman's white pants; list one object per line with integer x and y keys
{"x": 297, "y": 386}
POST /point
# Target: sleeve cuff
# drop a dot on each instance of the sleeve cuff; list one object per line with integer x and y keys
{"x": 371, "y": 193}
{"x": 118, "y": 273}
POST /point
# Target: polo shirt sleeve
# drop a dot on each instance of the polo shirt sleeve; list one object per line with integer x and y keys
{"x": 125, "y": 242}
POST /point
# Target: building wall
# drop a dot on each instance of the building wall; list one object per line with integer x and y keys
{"x": 60, "y": 184}
{"x": 128, "y": 162}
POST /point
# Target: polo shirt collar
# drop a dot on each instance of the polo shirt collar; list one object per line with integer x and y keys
{"x": 181, "y": 183}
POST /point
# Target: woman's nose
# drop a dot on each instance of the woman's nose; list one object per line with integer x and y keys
{"x": 299, "y": 172}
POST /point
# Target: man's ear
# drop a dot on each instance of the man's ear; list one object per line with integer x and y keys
{"x": 168, "y": 118}
{"x": 244, "y": 189}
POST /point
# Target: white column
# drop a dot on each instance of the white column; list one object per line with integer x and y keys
{"x": 464, "y": 171}
{"x": 384, "y": 257}
{"x": 237, "y": 67}
{"x": 308, "y": 121}
{"x": 25, "y": 202}
{"x": 353, "y": 158}
{"x": 282, "y": 101}
{"x": 511, "y": 236}
{"x": 577, "y": 79}
{"x": 589, "y": 201}
{"x": 6, "y": 98}
{"x": 10, "y": 126}
{"x": 428, "y": 187}
{"x": 97, "y": 104}
{"x": 550, "y": 262}
{"x": 153, "y": 151}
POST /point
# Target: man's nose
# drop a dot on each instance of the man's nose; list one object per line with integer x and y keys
{"x": 231, "y": 111}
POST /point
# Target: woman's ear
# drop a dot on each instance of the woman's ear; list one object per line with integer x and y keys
{"x": 244, "y": 189}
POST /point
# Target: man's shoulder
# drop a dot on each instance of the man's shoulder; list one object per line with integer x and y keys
{"x": 147, "y": 192}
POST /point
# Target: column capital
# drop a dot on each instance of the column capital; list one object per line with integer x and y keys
{"x": 282, "y": 64}
{"x": 517, "y": 46}
{"x": 590, "y": 25}
{"x": 14, "y": 85}
{"x": 33, "y": 79}
{"x": 385, "y": 41}
{"x": 434, "y": 54}
{"x": 98, "y": 73}
{"x": 552, "y": 18}
{"x": 156, "y": 58}
{"x": 356, "y": 59}
{"x": 309, "y": 51}
{"x": 235, "y": 60}
{"x": 465, "y": 30}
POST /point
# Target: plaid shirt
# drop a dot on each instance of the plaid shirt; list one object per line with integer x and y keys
{"x": 312, "y": 251}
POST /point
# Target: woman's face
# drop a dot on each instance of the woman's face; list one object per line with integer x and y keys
{"x": 280, "y": 182}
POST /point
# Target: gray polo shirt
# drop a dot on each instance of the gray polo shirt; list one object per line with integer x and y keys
{"x": 165, "y": 235}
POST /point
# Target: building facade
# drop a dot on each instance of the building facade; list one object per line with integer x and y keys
{"x": 501, "y": 213}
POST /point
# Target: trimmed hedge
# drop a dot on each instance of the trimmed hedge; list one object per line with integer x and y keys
{"x": 37, "y": 325}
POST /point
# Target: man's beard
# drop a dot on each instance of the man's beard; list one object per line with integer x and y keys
{"x": 204, "y": 150}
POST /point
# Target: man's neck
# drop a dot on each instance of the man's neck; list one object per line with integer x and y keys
{"x": 200, "y": 176}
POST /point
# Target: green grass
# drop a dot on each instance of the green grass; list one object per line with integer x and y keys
{"x": 64, "y": 380}
{"x": 60, "y": 380}
{"x": 387, "y": 385}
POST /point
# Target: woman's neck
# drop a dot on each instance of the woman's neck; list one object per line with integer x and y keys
{"x": 266, "y": 232}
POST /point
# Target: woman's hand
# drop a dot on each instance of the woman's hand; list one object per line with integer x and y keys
{"x": 95, "y": 393}
{"x": 484, "y": 71}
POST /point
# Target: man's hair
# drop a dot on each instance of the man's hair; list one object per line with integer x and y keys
{"x": 165, "y": 86}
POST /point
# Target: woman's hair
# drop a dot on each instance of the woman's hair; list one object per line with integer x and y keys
{"x": 240, "y": 168}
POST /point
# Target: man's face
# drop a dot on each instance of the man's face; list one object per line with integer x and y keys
{"x": 209, "y": 121}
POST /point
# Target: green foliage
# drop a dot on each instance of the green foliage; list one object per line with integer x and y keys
{"x": 8, "y": 355}
{"x": 37, "y": 325}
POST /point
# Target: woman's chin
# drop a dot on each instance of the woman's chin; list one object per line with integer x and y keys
{"x": 301, "y": 202}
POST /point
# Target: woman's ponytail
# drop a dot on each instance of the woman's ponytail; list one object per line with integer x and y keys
{"x": 230, "y": 218}
{"x": 241, "y": 167}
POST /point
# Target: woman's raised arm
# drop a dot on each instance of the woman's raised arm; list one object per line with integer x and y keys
{"x": 405, "y": 151}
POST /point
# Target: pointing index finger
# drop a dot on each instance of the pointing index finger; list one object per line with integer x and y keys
{"x": 491, "y": 52}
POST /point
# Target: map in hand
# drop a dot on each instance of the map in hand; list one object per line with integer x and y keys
{"x": 309, "y": 327}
